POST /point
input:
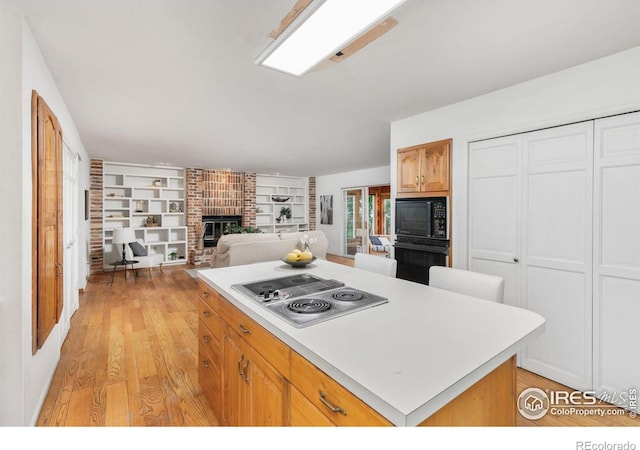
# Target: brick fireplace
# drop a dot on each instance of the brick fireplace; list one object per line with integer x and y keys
{"x": 213, "y": 192}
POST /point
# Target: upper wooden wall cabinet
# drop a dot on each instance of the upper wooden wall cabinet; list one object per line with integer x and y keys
{"x": 424, "y": 170}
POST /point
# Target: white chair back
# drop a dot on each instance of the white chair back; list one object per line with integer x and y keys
{"x": 475, "y": 284}
{"x": 378, "y": 264}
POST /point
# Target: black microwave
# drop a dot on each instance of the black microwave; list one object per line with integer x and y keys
{"x": 422, "y": 217}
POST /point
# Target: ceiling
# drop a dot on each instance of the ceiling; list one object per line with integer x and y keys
{"x": 174, "y": 81}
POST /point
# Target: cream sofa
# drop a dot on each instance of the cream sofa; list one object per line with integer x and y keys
{"x": 247, "y": 248}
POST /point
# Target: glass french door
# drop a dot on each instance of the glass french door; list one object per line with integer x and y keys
{"x": 356, "y": 213}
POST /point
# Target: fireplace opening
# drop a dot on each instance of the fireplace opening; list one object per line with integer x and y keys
{"x": 214, "y": 227}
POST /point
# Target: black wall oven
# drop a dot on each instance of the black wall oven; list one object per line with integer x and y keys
{"x": 421, "y": 237}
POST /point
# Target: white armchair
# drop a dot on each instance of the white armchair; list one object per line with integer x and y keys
{"x": 152, "y": 259}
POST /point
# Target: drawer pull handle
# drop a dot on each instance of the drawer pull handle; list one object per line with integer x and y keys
{"x": 205, "y": 363}
{"x": 244, "y": 330}
{"x": 205, "y": 293}
{"x": 206, "y": 339}
{"x": 416, "y": 180}
{"x": 335, "y": 409}
{"x": 206, "y": 313}
{"x": 244, "y": 371}
{"x": 422, "y": 179}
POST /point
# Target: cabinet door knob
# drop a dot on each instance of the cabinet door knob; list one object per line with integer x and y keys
{"x": 205, "y": 363}
{"x": 515, "y": 260}
{"x": 206, "y": 339}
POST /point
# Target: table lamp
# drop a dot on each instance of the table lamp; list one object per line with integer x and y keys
{"x": 124, "y": 236}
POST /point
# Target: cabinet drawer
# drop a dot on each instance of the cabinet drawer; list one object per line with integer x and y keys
{"x": 210, "y": 381}
{"x": 209, "y": 295}
{"x": 305, "y": 414}
{"x": 271, "y": 348}
{"x": 208, "y": 342}
{"x": 210, "y": 319}
{"x": 340, "y": 405}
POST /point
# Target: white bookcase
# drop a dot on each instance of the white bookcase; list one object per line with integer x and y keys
{"x": 135, "y": 194}
{"x": 295, "y": 190}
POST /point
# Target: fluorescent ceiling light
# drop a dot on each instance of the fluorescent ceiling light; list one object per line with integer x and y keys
{"x": 321, "y": 30}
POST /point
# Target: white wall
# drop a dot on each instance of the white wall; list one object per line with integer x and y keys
{"x": 12, "y": 266}
{"x": 25, "y": 378}
{"x": 606, "y": 86}
{"x": 333, "y": 185}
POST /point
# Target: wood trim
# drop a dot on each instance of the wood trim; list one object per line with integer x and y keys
{"x": 34, "y": 221}
{"x": 489, "y": 402}
{"x": 364, "y": 40}
{"x": 300, "y": 6}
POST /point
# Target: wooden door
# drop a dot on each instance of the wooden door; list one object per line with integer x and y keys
{"x": 617, "y": 257}
{"x": 557, "y": 251}
{"x": 234, "y": 391}
{"x": 434, "y": 170}
{"x": 47, "y": 242}
{"x": 409, "y": 170}
{"x": 268, "y": 393}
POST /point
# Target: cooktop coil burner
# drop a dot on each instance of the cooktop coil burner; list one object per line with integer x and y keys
{"x": 348, "y": 295}
{"x": 309, "y": 306}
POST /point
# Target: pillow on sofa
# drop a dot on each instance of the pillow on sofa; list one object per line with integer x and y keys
{"x": 137, "y": 249}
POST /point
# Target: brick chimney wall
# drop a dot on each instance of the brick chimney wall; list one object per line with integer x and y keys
{"x": 312, "y": 203}
{"x": 213, "y": 192}
{"x": 96, "y": 253}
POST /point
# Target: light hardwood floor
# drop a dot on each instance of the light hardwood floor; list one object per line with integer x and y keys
{"x": 130, "y": 359}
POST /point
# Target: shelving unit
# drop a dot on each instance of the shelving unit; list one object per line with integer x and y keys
{"x": 268, "y": 210}
{"x": 135, "y": 194}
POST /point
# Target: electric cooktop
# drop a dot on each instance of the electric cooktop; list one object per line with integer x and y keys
{"x": 306, "y": 299}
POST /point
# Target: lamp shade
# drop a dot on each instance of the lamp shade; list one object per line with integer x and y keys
{"x": 123, "y": 235}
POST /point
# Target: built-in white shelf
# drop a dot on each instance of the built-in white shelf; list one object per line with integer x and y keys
{"x": 133, "y": 193}
{"x": 268, "y": 209}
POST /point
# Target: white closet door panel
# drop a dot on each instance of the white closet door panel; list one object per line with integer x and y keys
{"x": 617, "y": 254}
{"x": 619, "y": 136}
{"x": 494, "y": 227}
{"x": 620, "y": 206}
{"x": 557, "y": 211}
{"x": 557, "y": 250}
{"x": 495, "y": 157}
{"x": 562, "y": 352}
{"x": 560, "y": 148}
{"x": 619, "y": 314}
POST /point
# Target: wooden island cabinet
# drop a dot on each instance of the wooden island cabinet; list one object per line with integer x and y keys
{"x": 252, "y": 378}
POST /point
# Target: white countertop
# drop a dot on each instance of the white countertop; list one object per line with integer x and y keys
{"x": 406, "y": 358}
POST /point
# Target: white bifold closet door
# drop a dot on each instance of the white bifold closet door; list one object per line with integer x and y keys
{"x": 617, "y": 257}
{"x": 530, "y": 222}
{"x": 495, "y": 212}
{"x": 557, "y": 251}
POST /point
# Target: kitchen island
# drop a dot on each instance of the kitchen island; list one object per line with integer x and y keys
{"x": 405, "y": 359}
